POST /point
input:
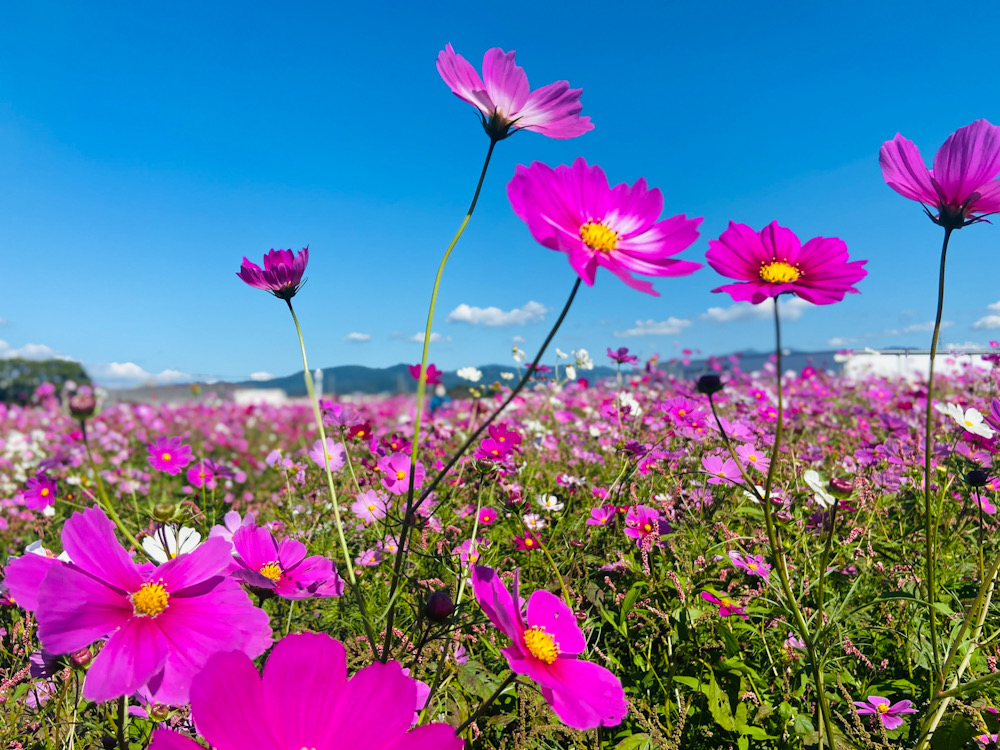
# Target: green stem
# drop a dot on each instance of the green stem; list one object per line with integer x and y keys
{"x": 552, "y": 563}
{"x": 486, "y": 704}
{"x": 122, "y": 718}
{"x": 825, "y": 560}
{"x": 421, "y": 392}
{"x": 317, "y": 415}
{"x": 937, "y": 677}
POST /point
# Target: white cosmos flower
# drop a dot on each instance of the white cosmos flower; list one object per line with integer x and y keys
{"x": 507, "y": 375}
{"x": 815, "y": 482}
{"x": 627, "y": 399}
{"x": 534, "y": 521}
{"x": 570, "y": 372}
{"x": 550, "y": 502}
{"x": 179, "y": 541}
{"x": 583, "y": 360}
{"x": 518, "y": 354}
{"x": 971, "y": 420}
{"x": 472, "y": 374}
{"x": 561, "y": 354}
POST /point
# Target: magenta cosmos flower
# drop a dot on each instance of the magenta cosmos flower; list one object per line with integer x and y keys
{"x": 167, "y": 454}
{"x": 773, "y": 262}
{"x": 40, "y": 492}
{"x": 962, "y": 187}
{"x": 282, "y": 567}
{"x": 545, "y": 646}
{"x": 889, "y": 715}
{"x": 506, "y": 102}
{"x": 727, "y": 606}
{"x": 573, "y": 210}
{"x": 281, "y": 274}
{"x": 304, "y": 700}
{"x": 395, "y": 470}
{"x": 162, "y": 623}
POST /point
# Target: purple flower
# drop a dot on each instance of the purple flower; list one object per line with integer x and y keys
{"x": 304, "y": 699}
{"x": 40, "y": 492}
{"x": 571, "y": 209}
{"x": 395, "y": 471}
{"x": 889, "y": 715}
{"x": 962, "y": 187}
{"x": 505, "y": 101}
{"x": 281, "y": 274}
{"x": 753, "y": 564}
{"x": 622, "y": 356}
{"x": 336, "y": 454}
{"x": 727, "y": 606}
{"x": 722, "y": 470}
{"x": 162, "y": 623}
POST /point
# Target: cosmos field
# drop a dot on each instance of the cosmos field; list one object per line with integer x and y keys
{"x": 771, "y": 559}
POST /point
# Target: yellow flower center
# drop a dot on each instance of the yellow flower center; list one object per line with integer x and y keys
{"x": 779, "y": 272}
{"x": 165, "y": 456}
{"x": 45, "y": 492}
{"x": 371, "y": 507}
{"x": 598, "y": 237}
{"x": 727, "y": 602}
{"x": 752, "y": 566}
{"x": 271, "y": 571}
{"x": 540, "y": 644}
{"x": 648, "y": 528}
{"x": 201, "y": 475}
{"x": 752, "y": 458}
{"x": 968, "y": 423}
{"x": 400, "y": 474}
{"x": 150, "y": 600}
{"x": 882, "y": 708}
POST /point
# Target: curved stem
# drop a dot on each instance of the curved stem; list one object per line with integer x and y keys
{"x": 421, "y": 393}
{"x": 412, "y": 507}
{"x": 486, "y": 704}
{"x": 825, "y": 560}
{"x": 314, "y": 402}
{"x": 937, "y": 677}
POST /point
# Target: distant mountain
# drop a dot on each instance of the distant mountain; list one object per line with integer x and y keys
{"x": 397, "y": 379}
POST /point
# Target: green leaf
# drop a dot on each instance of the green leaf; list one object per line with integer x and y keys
{"x": 718, "y": 704}
{"x": 956, "y": 731}
{"x": 692, "y": 682}
{"x": 635, "y": 742}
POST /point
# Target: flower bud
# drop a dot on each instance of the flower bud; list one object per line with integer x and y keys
{"x": 977, "y": 478}
{"x": 159, "y": 712}
{"x": 163, "y": 512}
{"x": 841, "y": 487}
{"x": 709, "y": 384}
{"x": 81, "y": 658}
{"x": 439, "y": 606}
{"x": 82, "y": 405}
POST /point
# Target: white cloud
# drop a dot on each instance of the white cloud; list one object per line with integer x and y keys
{"x": 669, "y": 327}
{"x": 4, "y": 321}
{"x": 494, "y": 316}
{"x": 29, "y": 351}
{"x": 359, "y": 337}
{"x": 988, "y": 322}
{"x": 963, "y": 346}
{"x": 435, "y": 337}
{"x": 261, "y": 375}
{"x": 791, "y": 309}
{"x": 124, "y": 374}
{"x": 927, "y": 327}
{"x": 519, "y": 340}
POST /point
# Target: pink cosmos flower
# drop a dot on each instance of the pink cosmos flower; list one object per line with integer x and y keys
{"x": 167, "y": 454}
{"x": 506, "y": 102}
{"x": 525, "y": 543}
{"x": 545, "y": 645}
{"x": 395, "y": 470}
{"x": 774, "y": 261}
{"x": 574, "y": 211}
{"x": 281, "y": 274}
{"x": 753, "y": 564}
{"x": 603, "y": 515}
{"x": 40, "y": 492}
{"x": 282, "y": 567}
{"x": 962, "y": 187}
{"x": 162, "y": 623}
{"x": 487, "y": 516}
{"x": 644, "y": 524}
{"x": 727, "y": 606}
{"x": 433, "y": 373}
{"x": 752, "y": 457}
{"x": 622, "y": 357}
{"x": 201, "y": 475}
{"x": 369, "y": 506}
{"x": 336, "y": 454}
{"x": 722, "y": 470}
{"x": 889, "y": 715}
{"x": 304, "y": 700}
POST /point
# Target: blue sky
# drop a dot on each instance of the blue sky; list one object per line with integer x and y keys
{"x": 144, "y": 149}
